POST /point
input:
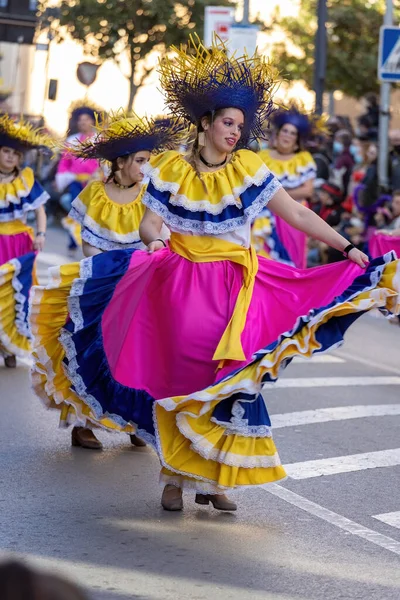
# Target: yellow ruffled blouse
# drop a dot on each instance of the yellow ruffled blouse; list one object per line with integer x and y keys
{"x": 20, "y": 196}
{"x": 208, "y": 203}
{"x": 293, "y": 172}
{"x": 105, "y": 224}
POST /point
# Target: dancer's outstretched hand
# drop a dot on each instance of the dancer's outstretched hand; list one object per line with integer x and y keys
{"x": 358, "y": 257}
{"x": 154, "y": 246}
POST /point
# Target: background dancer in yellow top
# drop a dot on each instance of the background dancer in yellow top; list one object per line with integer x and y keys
{"x": 288, "y": 160}
{"x": 20, "y": 194}
{"x": 109, "y": 213}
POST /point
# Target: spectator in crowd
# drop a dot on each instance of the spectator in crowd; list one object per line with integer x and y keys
{"x": 319, "y": 148}
{"x": 368, "y": 123}
{"x": 394, "y": 160}
{"x": 383, "y": 217}
{"x": 393, "y": 228}
{"x": 331, "y": 198}
{"x": 20, "y": 582}
{"x": 344, "y": 161}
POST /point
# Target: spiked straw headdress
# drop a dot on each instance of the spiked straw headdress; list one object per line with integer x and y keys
{"x": 22, "y": 136}
{"x": 126, "y": 135}
{"x": 198, "y": 81}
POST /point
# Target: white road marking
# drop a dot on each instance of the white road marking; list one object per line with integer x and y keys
{"x": 339, "y": 413}
{"x": 343, "y": 464}
{"x": 368, "y": 363}
{"x": 312, "y": 382}
{"x": 52, "y": 259}
{"x": 392, "y": 518}
{"x": 331, "y": 517}
{"x": 320, "y": 359}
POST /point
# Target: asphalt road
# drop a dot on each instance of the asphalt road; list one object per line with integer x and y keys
{"x": 330, "y": 531}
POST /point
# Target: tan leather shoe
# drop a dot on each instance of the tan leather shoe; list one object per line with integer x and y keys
{"x": 10, "y": 362}
{"x": 85, "y": 438}
{"x": 219, "y": 501}
{"x": 172, "y": 498}
{"x": 137, "y": 441}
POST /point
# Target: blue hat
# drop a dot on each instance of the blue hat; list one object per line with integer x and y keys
{"x": 296, "y": 117}
{"x": 126, "y": 135}
{"x": 199, "y": 81}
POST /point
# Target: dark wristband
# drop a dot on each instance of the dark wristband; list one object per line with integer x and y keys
{"x": 160, "y": 240}
{"x": 348, "y": 249}
{"x": 41, "y": 233}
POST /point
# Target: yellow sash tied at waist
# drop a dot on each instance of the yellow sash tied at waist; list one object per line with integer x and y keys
{"x": 200, "y": 249}
{"x": 14, "y": 227}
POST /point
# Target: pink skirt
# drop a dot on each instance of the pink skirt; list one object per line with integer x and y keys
{"x": 294, "y": 242}
{"x": 173, "y": 312}
{"x": 13, "y": 246}
{"x": 380, "y": 244}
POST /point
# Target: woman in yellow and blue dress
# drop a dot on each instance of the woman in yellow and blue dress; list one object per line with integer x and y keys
{"x": 109, "y": 213}
{"x": 178, "y": 341}
{"x": 20, "y": 193}
{"x": 296, "y": 170}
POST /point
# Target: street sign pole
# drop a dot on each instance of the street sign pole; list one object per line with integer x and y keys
{"x": 246, "y": 12}
{"x": 320, "y": 57}
{"x": 384, "y": 115}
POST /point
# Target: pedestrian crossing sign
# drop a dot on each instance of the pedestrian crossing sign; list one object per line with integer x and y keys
{"x": 389, "y": 54}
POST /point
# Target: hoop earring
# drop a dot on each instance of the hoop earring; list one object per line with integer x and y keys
{"x": 201, "y": 139}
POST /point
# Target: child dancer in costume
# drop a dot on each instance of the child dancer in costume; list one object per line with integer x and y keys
{"x": 296, "y": 170}
{"x": 19, "y": 194}
{"x": 110, "y": 213}
{"x": 73, "y": 173}
{"x": 179, "y": 340}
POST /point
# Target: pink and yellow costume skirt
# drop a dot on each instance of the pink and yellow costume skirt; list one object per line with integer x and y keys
{"x": 177, "y": 345}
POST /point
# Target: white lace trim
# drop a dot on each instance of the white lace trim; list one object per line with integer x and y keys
{"x": 16, "y": 198}
{"x": 205, "y": 205}
{"x": 18, "y": 213}
{"x": 203, "y": 486}
{"x": 304, "y": 174}
{"x": 105, "y": 245}
{"x": 74, "y": 308}
{"x": 154, "y": 175}
{"x": 184, "y": 225}
{"x": 78, "y": 213}
{"x": 207, "y": 450}
{"x": 240, "y": 426}
{"x": 7, "y": 347}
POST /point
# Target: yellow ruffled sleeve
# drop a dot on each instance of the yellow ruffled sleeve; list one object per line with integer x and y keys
{"x": 293, "y": 172}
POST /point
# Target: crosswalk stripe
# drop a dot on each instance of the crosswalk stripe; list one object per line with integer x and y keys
{"x": 343, "y": 464}
{"x": 374, "y": 537}
{"x": 52, "y": 259}
{"x": 392, "y": 518}
{"x": 312, "y": 382}
{"x": 339, "y": 413}
{"x": 320, "y": 359}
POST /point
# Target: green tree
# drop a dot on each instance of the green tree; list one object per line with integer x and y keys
{"x": 112, "y": 29}
{"x": 353, "y": 35}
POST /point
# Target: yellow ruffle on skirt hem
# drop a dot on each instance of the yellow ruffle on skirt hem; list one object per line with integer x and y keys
{"x": 196, "y": 451}
{"x": 12, "y": 340}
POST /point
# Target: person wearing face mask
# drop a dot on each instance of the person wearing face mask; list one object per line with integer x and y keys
{"x": 296, "y": 170}
{"x": 178, "y": 340}
{"x": 20, "y": 194}
{"x": 109, "y": 215}
{"x": 344, "y": 159}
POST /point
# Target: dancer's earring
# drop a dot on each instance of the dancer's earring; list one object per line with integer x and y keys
{"x": 201, "y": 139}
